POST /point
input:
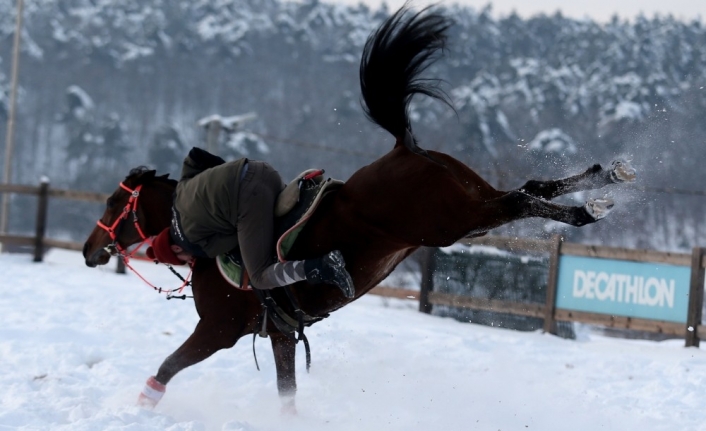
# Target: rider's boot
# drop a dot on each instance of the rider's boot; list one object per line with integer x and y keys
{"x": 330, "y": 269}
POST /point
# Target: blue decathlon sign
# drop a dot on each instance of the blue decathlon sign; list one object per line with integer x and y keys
{"x": 654, "y": 291}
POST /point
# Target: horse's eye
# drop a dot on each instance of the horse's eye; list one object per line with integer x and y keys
{"x": 110, "y": 203}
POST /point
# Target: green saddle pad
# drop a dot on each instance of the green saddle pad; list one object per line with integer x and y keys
{"x": 233, "y": 272}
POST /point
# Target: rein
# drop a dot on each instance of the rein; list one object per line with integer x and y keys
{"x": 116, "y": 249}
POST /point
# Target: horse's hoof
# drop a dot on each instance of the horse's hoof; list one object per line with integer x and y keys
{"x": 599, "y": 208}
{"x": 288, "y": 408}
{"x": 622, "y": 172}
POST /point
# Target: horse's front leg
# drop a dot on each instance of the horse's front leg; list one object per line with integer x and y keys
{"x": 208, "y": 338}
{"x": 595, "y": 177}
{"x": 284, "y": 349}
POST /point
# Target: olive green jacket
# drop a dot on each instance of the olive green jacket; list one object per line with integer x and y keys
{"x": 205, "y": 211}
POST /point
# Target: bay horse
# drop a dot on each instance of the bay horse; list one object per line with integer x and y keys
{"x": 408, "y": 198}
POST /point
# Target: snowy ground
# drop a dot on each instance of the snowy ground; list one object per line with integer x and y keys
{"x": 77, "y": 344}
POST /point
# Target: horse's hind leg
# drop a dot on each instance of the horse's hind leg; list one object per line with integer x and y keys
{"x": 208, "y": 338}
{"x": 594, "y": 178}
{"x": 284, "y": 349}
{"x": 516, "y": 205}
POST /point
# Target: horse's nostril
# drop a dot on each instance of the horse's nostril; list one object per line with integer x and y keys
{"x": 86, "y": 246}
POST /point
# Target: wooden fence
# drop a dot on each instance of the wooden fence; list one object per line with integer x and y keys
{"x": 427, "y": 297}
{"x": 39, "y": 242}
{"x": 556, "y": 248}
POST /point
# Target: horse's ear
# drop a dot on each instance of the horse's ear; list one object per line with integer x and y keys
{"x": 146, "y": 175}
{"x": 140, "y": 174}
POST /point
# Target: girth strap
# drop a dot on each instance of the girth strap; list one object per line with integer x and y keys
{"x": 297, "y": 310}
{"x": 285, "y": 323}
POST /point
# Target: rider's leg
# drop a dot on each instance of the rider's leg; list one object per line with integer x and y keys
{"x": 259, "y": 189}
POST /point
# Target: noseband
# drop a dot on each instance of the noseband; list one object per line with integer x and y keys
{"x": 114, "y": 229}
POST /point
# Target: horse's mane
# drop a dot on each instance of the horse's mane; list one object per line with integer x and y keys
{"x": 142, "y": 174}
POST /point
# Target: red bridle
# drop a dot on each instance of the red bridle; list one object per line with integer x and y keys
{"x": 131, "y": 208}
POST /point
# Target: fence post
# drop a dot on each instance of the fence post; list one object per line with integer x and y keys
{"x": 120, "y": 269}
{"x": 696, "y": 297}
{"x": 427, "y": 279}
{"x": 41, "y": 221}
{"x": 550, "y": 305}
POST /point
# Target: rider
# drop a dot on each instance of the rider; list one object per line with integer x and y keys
{"x": 220, "y": 206}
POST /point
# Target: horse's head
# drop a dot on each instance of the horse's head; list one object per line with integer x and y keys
{"x": 140, "y": 207}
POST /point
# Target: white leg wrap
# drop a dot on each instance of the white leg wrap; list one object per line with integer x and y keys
{"x": 151, "y": 393}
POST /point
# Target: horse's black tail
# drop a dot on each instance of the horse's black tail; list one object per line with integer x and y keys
{"x": 393, "y": 58}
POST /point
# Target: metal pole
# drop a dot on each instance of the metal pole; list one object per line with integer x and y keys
{"x": 9, "y": 137}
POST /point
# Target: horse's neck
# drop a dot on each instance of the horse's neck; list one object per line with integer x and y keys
{"x": 160, "y": 206}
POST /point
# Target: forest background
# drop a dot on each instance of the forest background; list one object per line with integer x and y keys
{"x": 106, "y": 86}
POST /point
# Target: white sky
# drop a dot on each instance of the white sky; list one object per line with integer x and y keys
{"x": 600, "y": 10}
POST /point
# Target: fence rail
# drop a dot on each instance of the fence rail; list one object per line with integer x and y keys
{"x": 394, "y": 292}
{"x": 496, "y": 305}
{"x": 55, "y": 193}
{"x": 610, "y": 321}
{"x": 39, "y": 240}
{"x": 680, "y": 259}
